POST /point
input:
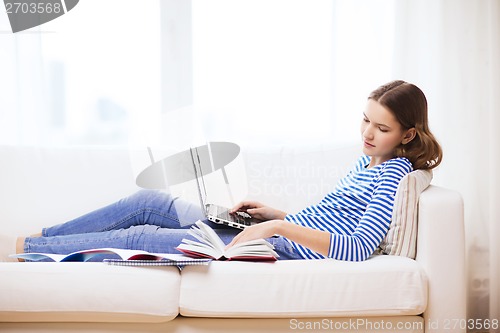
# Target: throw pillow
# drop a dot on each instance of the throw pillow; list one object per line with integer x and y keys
{"x": 401, "y": 239}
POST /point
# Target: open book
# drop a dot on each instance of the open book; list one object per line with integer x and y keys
{"x": 209, "y": 245}
{"x": 123, "y": 257}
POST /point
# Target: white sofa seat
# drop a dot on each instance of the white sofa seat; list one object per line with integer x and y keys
{"x": 379, "y": 286}
{"x": 89, "y": 292}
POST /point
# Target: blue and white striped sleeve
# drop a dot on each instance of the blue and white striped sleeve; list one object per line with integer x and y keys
{"x": 375, "y": 221}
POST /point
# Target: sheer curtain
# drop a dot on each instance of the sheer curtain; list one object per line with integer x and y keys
{"x": 451, "y": 49}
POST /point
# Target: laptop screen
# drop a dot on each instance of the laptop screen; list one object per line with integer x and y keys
{"x": 198, "y": 175}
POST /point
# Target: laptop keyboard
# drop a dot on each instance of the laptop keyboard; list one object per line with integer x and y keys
{"x": 239, "y": 217}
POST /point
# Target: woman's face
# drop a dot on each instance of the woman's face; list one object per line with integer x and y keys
{"x": 381, "y": 133}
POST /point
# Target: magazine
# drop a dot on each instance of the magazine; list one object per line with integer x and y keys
{"x": 125, "y": 257}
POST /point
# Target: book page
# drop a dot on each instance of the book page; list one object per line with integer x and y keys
{"x": 253, "y": 248}
{"x": 191, "y": 247}
{"x": 212, "y": 236}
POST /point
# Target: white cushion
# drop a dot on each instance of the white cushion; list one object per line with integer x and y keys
{"x": 87, "y": 292}
{"x": 401, "y": 239}
{"x": 381, "y": 285}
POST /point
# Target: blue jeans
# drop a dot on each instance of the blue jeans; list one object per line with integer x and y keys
{"x": 149, "y": 220}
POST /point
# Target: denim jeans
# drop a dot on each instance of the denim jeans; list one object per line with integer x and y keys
{"x": 149, "y": 220}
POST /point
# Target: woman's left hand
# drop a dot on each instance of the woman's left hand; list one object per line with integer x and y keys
{"x": 261, "y": 230}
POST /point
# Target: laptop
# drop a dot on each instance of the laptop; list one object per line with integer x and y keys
{"x": 216, "y": 213}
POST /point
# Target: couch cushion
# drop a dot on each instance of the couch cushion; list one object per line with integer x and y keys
{"x": 381, "y": 285}
{"x": 87, "y": 292}
{"x": 401, "y": 239}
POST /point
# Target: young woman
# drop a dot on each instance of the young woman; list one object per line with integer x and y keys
{"x": 348, "y": 224}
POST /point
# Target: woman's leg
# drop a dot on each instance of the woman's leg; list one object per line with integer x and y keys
{"x": 144, "y": 207}
{"x": 284, "y": 248}
{"x": 144, "y": 237}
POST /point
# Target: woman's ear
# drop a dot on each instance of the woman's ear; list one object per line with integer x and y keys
{"x": 409, "y": 135}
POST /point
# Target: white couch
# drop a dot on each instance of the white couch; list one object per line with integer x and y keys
{"x": 42, "y": 186}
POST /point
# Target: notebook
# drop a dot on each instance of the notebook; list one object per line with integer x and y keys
{"x": 216, "y": 213}
{"x": 144, "y": 262}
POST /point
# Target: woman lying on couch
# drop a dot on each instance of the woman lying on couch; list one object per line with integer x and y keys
{"x": 348, "y": 224}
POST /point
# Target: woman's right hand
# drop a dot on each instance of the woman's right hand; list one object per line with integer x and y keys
{"x": 259, "y": 211}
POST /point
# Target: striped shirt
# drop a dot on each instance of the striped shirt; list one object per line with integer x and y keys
{"x": 358, "y": 213}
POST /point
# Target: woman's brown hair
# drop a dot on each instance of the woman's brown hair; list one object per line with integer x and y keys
{"x": 409, "y": 105}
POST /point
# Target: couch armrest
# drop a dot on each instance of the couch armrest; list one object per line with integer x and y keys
{"x": 441, "y": 252}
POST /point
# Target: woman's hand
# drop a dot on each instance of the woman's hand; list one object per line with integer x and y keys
{"x": 259, "y": 211}
{"x": 256, "y": 231}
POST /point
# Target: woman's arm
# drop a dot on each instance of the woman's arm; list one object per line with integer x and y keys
{"x": 316, "y": 240}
